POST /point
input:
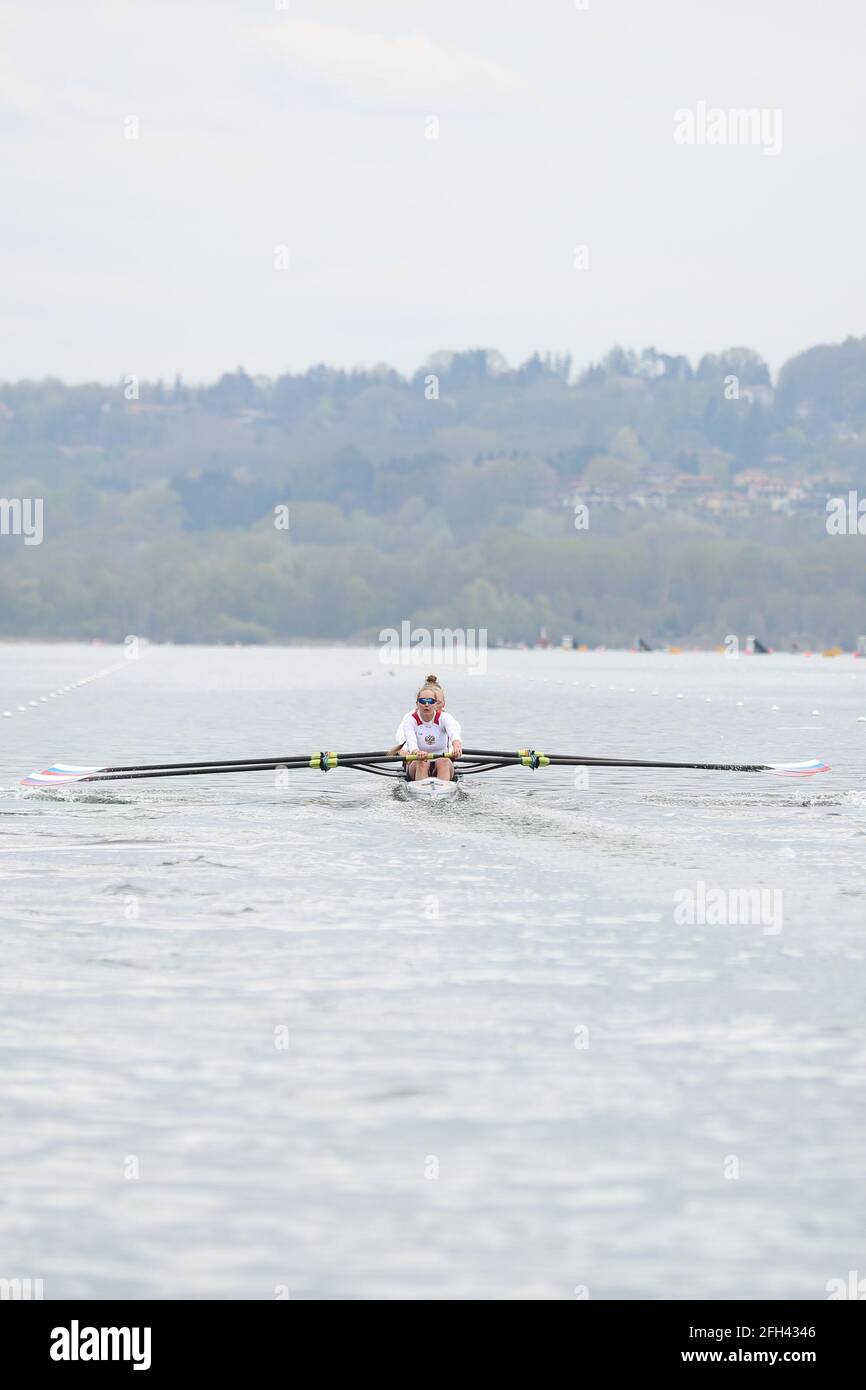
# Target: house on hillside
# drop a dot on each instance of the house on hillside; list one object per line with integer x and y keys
{"x": 724, "y": 504}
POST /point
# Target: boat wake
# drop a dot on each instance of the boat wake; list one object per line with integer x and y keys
{"x": 710, "y": 800}
{"x": 73, "y": 796}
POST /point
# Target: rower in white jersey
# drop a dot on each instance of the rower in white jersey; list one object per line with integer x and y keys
{"x": 429, "y": 731}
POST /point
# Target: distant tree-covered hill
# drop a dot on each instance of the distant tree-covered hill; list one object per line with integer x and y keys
{"x": 332, "y": 504}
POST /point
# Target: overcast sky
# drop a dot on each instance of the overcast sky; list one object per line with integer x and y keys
{"x": 304, "y": 125}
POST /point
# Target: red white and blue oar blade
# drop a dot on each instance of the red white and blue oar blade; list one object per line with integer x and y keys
{"x": 799, "y": 769}
{"x": 60, "y": 775}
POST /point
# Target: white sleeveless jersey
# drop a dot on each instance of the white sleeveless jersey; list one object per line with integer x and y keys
{"x": 434, "y": 737}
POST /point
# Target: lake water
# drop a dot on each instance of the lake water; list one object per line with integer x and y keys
{"x": 315, "y": 1039}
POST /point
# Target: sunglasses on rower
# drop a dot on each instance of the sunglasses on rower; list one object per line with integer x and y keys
{"x": 424, "y": 700}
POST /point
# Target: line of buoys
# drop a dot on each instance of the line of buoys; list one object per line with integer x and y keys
{"x": 61, "y": 690}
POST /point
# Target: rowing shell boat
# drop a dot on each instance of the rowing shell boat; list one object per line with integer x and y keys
{"x": 432, "y": 788}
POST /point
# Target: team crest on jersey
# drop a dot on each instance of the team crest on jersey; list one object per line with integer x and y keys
{"x": 429, "y": 738}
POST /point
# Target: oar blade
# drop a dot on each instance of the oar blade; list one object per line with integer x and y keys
{"x": 60, "y": 775}
{"x": 807, "y": 769}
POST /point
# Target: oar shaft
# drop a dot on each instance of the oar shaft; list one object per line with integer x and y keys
{"x": 561, "y": 760}
{"x": 294, "y": 759}
{"x": 644, "y": 762}
{"x": 216, "y": 769}
{"x": 204, "y": 771}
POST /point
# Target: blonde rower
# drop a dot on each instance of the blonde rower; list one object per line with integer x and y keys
{"x": 430, "y": 731}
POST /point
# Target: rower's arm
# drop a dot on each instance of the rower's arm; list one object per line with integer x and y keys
{"x": 454, "y": 732}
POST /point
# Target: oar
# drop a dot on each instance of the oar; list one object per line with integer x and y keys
{"x": 301, "y": 759}
{"x": 60, "y": 774}
{"x": 530, "y": 758}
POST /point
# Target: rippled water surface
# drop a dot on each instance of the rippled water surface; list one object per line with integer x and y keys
{"x": 360, "y": 1048}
